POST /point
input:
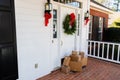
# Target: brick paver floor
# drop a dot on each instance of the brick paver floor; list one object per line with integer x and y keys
{"x": 95, "y": 70}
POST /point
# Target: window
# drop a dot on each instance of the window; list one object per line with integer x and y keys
{"x": 96, "y": 28}
{"x": 70, "y": 2}
{"x": 78, "y": 21}
{"x": 54, "y": 23}
{"x": 75, "y": 4}
{"x": 90, "y": 27}
{"x": 100, "y": 29}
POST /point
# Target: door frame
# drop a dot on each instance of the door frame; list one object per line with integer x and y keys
{"x": 55, "y": 40}
{"x": 79, "y": 30}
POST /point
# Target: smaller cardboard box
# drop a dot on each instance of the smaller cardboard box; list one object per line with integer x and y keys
{"x": 75, "y": 57}
{"x": 65, "y": 69}
{"x": 74, "y": 52}
{"x": 82, "y": 54}
{"x": 75, "y": 66}
{"x": 84, "y": 61}
{"x": 66, "y": 61}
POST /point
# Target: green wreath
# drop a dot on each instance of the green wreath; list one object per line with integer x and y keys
{"x": 68, "y": 29}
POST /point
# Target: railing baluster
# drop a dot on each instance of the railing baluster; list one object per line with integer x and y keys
{"x": 102, "y": 50}
{"x": 90, "y": 47}
{"x": 108, "y": 45}
{"x": 98, "y": 49}
{"x": 94, "y": 48}
{"x": 118, "y": 53}
{"x": 113, "y": 51}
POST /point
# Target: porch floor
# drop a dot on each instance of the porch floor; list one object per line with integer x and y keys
{"x": 95, "y": 70}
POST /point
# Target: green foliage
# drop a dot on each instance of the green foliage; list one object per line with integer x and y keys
{"x": 116, "y": 23}
{"x": 68, "y": 29}
{"x": 112, "y": 34}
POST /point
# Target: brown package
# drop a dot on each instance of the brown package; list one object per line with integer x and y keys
{"x": 66, "y": 61}
{"x": 75, "y": 66}
{"x": 82, "y": 54}
{"x": 65, "y": 69}
{"x": 74, "y": 52}
{"x": 84, "y": 61}
{"x": 75, "y": 57}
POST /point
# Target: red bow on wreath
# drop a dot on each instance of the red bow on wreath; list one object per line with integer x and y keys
{"x": 47, "y": 17}
{"x": 72, "y": 19}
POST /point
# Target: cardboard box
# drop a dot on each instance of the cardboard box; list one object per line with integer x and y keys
{"x": 66, "y": 61}
{"x": 75, "y": 57}
{"x": 74, "y": 52}
{"x": 84, "y": 61}
{"x": 82, "y": 54}
{"x": 75, "y": 66}
{"x": 65, "y": 69}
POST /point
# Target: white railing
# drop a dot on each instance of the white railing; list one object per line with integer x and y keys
{"x": 104, "y": 50}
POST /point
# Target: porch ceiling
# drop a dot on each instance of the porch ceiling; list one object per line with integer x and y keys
{"x": 100, "y": 8}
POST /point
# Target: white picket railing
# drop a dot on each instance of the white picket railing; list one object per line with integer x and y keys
{"x": 104, "y": 50}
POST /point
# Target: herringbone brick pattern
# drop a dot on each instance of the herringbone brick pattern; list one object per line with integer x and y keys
{"x": 95, "y": 70}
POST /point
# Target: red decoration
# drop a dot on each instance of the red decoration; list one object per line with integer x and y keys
{"x": 72, "y": 19}
{"x": 86, "y": 21}
{"x": 47, "y": 17}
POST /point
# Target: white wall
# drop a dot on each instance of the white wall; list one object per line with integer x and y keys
{"x": 34, "y": 39}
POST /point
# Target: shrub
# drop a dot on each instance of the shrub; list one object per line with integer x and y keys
{"x": 112, "y": 34}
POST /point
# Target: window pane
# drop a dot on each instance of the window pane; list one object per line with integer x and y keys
{"x": 100, "y": 23}
{"x": 55, "y": 0}
{"x": 54, "y": 23}
{"x": 78, "y": 24}
{"x": 54, "y": 14}
{"x": 90, "y": 27}
{"x": 62, "y": 1}
{"x": 100, "y": 28}
{"x": 71, "y": 2}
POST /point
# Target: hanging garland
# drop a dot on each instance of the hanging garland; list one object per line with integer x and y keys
{"x": 69, "y": 24}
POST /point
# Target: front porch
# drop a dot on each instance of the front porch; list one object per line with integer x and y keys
{"x": 95, "y": 70}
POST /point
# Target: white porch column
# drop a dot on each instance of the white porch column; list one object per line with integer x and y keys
{"x": 84, "y": 29}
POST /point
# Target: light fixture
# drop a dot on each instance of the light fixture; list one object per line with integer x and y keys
{"x": 48, "y": 9}
{"x": 86, "y": 15}
{"x": 86, "y": 18}
{"x": 48, "y": 6}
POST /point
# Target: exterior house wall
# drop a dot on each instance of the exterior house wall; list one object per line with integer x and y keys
{"x": 34, "y": 39}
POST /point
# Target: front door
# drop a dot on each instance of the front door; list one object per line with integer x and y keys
{"x": 67, "y": 41}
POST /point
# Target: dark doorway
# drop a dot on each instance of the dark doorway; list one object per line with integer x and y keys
{"x": 8, "y": 50}
{"x": 95, "y": 28}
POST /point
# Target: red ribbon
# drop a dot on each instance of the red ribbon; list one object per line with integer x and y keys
{"x": 72, "y": 19}
{"x": 47, "y": 17}
{"x": 86, "y": 21}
